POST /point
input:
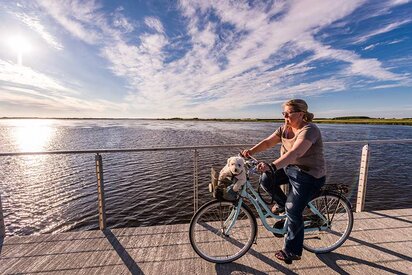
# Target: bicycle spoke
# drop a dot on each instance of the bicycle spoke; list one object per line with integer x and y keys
{"x": 339, "y": 218}
{"x": 208, "y": 228}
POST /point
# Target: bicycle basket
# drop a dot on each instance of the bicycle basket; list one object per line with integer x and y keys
{"x": 221, "y": 190}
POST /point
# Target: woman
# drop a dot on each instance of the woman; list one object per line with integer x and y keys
{"x": 303, "y": 162}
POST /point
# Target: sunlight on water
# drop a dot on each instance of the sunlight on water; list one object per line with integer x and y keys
{"x": 33, "y": 135}
{"x": 34, "y": 182}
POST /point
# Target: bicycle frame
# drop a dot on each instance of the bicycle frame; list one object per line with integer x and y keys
{"x": 248, "y": 192}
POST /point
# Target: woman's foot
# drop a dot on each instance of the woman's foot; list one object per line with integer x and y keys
{"x": 288, "y": 258}
{"x": 276, "y": 209}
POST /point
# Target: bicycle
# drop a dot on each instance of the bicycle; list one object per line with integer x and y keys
{"x": 223, "y": 231}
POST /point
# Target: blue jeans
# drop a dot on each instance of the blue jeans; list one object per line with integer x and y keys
{"x": 272, "y": 186}
{"x": 303, "y": 188}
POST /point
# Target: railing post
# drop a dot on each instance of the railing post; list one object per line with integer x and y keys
{"x": 195, "y": 181}
{"x": 2, "y": 226}
{"x": 363, "y": 178}
{"x": 100, "y": 192}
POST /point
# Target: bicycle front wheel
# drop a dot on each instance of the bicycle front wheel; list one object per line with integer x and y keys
{"x": 210, "y": 237}
{"x": 329, "y": 230}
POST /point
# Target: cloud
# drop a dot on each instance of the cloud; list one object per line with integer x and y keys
{"x": 371, "y": 68}
{"x": 228, "y": 54}
{"x": 214, "y": 73}
{"x": 358, "y": 66}
{"x": 75, "y": 16}
{"x": 386, "y": 86}
{"x": 154, "y": 23}
{"x": 33, "y": 23}
{"x": 23, "y": 87}
{"x": 391, "y": 42}
{"x": 26, "y": 99}
{"x": 399, "y": 2}
{"x": 387, "y": 28}
{"x": 120, "y": 21}
{"x": 25, "y": 76}
{"x": 370, "y": 47}
{"x": 396, "y": 41}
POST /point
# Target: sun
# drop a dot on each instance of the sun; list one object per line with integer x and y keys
{"x": 20, "y": 45}
{"x": 33, "y": 135}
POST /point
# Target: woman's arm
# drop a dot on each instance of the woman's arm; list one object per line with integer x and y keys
{"x": 300, "y": 147}
{"x": 265, "y": 144}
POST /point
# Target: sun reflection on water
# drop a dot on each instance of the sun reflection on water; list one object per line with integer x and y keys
{"x": 34, "y": 185}
{"x": 33, "y": 135}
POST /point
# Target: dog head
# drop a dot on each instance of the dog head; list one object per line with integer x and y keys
{"x": 236, "y": 165}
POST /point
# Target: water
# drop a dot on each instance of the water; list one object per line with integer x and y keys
{"x": 55, "y": 193}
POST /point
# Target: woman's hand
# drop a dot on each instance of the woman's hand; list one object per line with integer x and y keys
{"x": 246, "y": 153}
{"x": 262, "y": 167}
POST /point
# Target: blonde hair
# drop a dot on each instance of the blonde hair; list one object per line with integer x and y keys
{"x": 299, "y": 105}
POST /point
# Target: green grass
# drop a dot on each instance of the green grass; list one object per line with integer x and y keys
{"x": 338, "y": 120}
{"x": 379, "y": 121}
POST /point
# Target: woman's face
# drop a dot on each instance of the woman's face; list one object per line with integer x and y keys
{"x": 292, "y": 118}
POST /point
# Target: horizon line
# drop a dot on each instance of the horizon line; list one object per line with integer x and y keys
{"x": 189, "y": 118}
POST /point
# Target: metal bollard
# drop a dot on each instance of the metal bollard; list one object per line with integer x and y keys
{"x": 2, "y": 226}
{"x": 100, "y": 192}
{"x": 363, "y": 178}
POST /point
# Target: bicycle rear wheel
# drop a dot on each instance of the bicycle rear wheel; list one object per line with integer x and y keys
{"x": 327, "y": 232}
{"x": 207, "y": 232}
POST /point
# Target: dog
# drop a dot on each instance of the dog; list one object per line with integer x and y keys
{"x": 234, "y": 169}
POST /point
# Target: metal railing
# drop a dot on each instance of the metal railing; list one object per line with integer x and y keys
{"x": 99, "y": 171}
{"x": 2, "y": 225}
{"x": 363, "y": 172}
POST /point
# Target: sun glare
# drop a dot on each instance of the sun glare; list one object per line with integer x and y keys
{"x": 20, "y": 45}
{"x": 33, "y": 135}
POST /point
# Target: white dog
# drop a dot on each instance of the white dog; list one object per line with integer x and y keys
{"x": 235, "y": 168}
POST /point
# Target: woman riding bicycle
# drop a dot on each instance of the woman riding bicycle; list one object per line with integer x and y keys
{"x": 303, "y": 162}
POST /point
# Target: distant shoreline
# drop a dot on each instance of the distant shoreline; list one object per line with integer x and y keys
{"x": 339, "y": 120}
{"x": 376, "y": 121}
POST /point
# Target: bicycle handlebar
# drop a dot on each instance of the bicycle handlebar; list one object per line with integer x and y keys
{"x": 247, "y": 158}
{"x": 250, "y": 163}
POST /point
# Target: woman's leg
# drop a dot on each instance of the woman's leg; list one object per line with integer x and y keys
{"x": 303, "y": 188}
{"x": 269, "y": 184}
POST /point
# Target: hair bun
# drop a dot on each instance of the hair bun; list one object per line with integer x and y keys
{"x": 308, "y": 117}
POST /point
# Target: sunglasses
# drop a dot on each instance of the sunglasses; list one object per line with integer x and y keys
{"x": 287, "y": 114}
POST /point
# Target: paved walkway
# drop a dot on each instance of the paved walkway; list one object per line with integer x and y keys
{"x": 381, "y": 243}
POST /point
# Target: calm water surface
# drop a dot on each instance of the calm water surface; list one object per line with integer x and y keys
{"x": 55, "y": 193}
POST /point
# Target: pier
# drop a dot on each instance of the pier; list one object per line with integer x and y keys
{"x": 380, "y": 243}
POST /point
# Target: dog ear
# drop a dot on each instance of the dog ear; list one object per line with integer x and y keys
{"x": 228, "y": 161}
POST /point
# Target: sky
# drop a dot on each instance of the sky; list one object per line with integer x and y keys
{"x": 205, "y": 59}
